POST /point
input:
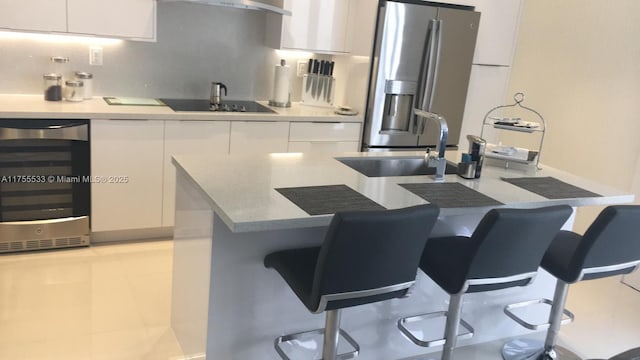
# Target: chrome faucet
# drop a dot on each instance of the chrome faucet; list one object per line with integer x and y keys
{"x": 439, "y": 162}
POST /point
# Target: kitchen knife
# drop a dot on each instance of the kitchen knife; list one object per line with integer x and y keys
{"x": 330, "y": 79}
{"x": 321, "y": 79}
{"x": 309, "y": 69}
{"x": 314, "y": 78}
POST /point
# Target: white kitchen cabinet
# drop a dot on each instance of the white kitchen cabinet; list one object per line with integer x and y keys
{"x": 33, "y": 15}
{"x": 258, "y": 137}
{"x": 127, "y": 162}
{"x": 324, "y": 137}
{"x": 117, "y": 18}
{"x": 498, "y": 31}
{"x": 315, "y": 25}
{"x": 131, "y": 19}
{"x": 362, "y": 26}
{"x": 487, "y": 89}
{"x": 189, "y": 138}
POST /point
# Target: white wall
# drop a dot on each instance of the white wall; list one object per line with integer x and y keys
{"x": 578, "y": 62}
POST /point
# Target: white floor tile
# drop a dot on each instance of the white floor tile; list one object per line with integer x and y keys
{"x": 113, "y": 302}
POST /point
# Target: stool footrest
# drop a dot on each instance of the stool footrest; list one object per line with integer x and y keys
{"x": 436, "y": 342}
{"x": 285, "y": 338}
{"x": 508, "y": 310}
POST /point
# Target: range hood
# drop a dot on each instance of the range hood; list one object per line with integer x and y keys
{"x": 243, "y": 4}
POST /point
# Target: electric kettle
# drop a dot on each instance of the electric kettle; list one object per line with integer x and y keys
{"x": 216, "y": 97}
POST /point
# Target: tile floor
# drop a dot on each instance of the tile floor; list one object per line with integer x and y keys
{"x": 113, "y": 302}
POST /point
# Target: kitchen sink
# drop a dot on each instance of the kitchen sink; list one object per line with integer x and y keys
{"x": 393, "y": 166}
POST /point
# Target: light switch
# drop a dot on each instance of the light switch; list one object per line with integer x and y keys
{"x": 95, "y": 56}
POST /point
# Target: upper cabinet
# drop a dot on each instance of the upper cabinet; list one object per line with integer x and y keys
{"x": 315, "y": 25}
{"x": 498, "y": 30}
{"x": 33, "y": 15}
{"x": 115, "y": 18}
{"x": 130, "y": 19}
{"x": 362, "y": 26}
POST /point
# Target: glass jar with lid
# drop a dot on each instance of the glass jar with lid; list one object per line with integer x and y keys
{"x": 87, "y": 80}
{"x": 73, "y": 90}
{"x": 52, "y": 86}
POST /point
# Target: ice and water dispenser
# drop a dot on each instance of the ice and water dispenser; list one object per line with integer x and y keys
{"x": 398, "y": 105}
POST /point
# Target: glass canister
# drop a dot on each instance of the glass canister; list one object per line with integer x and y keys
{"x": 52, "y": 86}
{"x": 73, "y": 90}
{"x": 87, "y": 80}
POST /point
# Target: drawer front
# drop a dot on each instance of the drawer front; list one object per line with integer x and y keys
{"x": 303, "y": 131}
{"x": 323, "y": 147}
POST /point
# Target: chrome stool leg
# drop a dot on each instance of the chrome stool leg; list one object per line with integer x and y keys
{"x": 452, "y": 326}
{"x": 331, "y": 335}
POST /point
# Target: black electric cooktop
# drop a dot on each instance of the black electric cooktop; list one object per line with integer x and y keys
{"x": 225, "y": 106}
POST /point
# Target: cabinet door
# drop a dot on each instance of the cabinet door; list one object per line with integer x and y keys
{"x": 35, "y": 15}
{"x": 362, "y": 25}
{"x": 258, "y": 137}
{"x": 131, "y": 149}
{"x": 188, "y": 138}
{"x": 498, "y": 31}
{"x": 119, "y": 18}
{"x": 316, "y": 25}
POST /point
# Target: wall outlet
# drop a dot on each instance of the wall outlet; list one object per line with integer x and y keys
{"x": 302, "y": 68}
{"x": 95, "y": 56}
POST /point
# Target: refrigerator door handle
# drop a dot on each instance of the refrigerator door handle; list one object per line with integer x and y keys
{"x": 436, "y": 68}
{"x": 426, "y": 95}
{"x": 431, "y": 54}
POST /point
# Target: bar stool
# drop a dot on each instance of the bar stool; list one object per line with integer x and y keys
{"x": 366, "y": 257}
{"x": 610, "y": 246}
{"x": 504, "y": 250}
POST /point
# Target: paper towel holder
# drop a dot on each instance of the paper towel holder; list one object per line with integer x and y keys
{"x": 277, "y": 83}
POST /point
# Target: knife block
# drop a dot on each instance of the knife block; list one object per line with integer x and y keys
{"x": 318, "y": 90}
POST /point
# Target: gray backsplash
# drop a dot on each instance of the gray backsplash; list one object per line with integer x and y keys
{"x": 196, "y": 44}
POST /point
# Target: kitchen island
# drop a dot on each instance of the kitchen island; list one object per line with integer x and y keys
{"x": 229, "y": 216}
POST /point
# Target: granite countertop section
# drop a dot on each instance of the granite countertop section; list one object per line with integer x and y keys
{"x": 35, "y": 107}
{"x": 241, "y": 189}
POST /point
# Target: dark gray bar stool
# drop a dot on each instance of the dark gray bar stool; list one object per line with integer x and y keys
{"x": 610, "y": 246}
{"x": 505, "y": 250}
{"x": 367, "y": 256}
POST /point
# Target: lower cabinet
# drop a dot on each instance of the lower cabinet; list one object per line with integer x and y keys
{"x": 188, "y": 138}
{"x": 324, "y": 137}
{"x": 127, "y": 166}
{"x": 258, "y": 137}
{"x": 134, "y": 177}
{"x": 323, "y": 147}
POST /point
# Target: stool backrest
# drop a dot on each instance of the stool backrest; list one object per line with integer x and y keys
{"x": 369, "y": 250}
{"x": 612, "y": 239}
{"x": 510, "y": 242}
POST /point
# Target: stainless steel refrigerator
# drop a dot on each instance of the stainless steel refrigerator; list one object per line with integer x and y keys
{"x": 421, "y": 59}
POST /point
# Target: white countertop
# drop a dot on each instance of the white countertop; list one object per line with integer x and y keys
{"x": 34, "y": 106}
{"x": 240, "y": 189}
